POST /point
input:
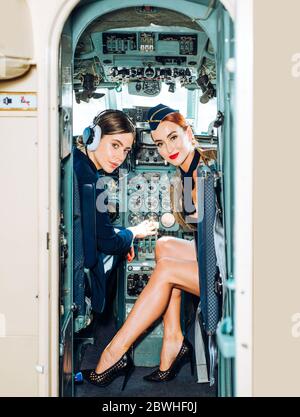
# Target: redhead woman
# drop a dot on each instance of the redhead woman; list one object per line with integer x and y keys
{"x": 103, "y": 147}
{"x": 176, "y": 269}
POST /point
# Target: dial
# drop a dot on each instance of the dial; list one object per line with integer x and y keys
{"x": 135, "y": 202}
{"x": 135, "y": 218}
{"x": 164, "y": 183}
{"x": 138, "y": 183}
{"x": 167, "y": 220}
{"x": 152, "y": 217}
{"x": 152, "y": 187}
{"x": 140, "y": 187}
{"x": 149, "y": 72}
{"x": 166, "y": 203}
{"x": 152, "y": 203}
{"x": 164, "y": 188}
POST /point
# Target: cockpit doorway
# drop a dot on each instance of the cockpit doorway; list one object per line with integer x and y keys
{"x": 108, "y": 61}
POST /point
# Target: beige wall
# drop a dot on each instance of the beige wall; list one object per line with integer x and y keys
{"x": 19, "y": 42}
{"x": 18, "y": 246}
{"x": 16, "y": 43}
{"x": 276, "y": 296}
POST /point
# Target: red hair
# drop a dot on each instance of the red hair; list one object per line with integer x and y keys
{"x": 176, "y": 118}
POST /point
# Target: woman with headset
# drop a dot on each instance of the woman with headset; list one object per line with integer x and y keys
{"x": 103, "y": 147}
{"x": 176, "y": 266}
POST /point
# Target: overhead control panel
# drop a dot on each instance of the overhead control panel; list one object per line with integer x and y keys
{"x": 148, "y": 57}
{"x": 144, "y": 60}
{"x": 187, "y": 43}
{"x": 126, "y": 43}
{"x": 145, "y": 47}
{"x": 118, "y": 43}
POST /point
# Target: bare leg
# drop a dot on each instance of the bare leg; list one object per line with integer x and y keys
{"x": 151, "y": 304}
{"x": 173, "y": 337}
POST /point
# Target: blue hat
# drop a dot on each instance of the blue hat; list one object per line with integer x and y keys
{"x": 157, "y": 113}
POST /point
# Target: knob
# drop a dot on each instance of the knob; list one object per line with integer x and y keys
{"x": 114, "y": 72}
{"x": 149, "y": 72}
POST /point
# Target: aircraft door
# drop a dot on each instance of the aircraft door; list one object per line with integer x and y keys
{"x": 66, "y": 221}
{"x": 225, "y": 81}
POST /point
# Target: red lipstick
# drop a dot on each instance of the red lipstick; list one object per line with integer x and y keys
{"x": 174, "y": 156}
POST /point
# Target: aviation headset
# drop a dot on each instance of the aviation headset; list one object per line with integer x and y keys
{"x": 92, "y": 134}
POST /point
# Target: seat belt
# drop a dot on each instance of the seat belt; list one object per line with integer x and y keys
{"x": 201, "y": 365}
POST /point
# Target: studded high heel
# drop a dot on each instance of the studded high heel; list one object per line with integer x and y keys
{"x": 124, "y": 366}
{"x": 184, "y": 355}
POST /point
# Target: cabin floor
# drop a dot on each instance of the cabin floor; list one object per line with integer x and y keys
{"x": 184, "y": 385}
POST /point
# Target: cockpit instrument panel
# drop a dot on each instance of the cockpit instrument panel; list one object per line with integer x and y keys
{"x": 148, "y": 42}
{"x": 149, "y": 57}
{"x": 148, "y": 198}
{"x": 144, "y": 60}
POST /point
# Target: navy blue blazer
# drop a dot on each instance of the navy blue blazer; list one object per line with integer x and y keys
{"x": 108, "y": 242}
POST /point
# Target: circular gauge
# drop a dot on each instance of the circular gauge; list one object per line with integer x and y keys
{"x": 164, "y": 188}
{"x": 167, "y": 220}
{"x": 133, "y": 72}
{"x": 164, "y": 183}
{"x": 152, "y": 187}
{"x": 166, "y": 203}
{"x": 164, "y": 178}
{"x": 140, "y": 187}
{"x": 152, "y": 217}
{"x": 138, "y": 183}
{"x": 135, "y": 202}
{"x": 135, "y": 218}
{"x": 149, "y": 72}
{"x": 151, "y": 203}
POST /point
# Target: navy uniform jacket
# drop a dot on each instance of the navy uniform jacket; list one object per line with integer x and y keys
{"x": 108, "y": 241}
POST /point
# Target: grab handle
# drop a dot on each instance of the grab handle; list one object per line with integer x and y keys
{"x": 225, "y": 341}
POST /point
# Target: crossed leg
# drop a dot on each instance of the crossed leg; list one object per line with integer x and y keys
{"x": 170, "y": 273}
{"x": 173, "y": 337}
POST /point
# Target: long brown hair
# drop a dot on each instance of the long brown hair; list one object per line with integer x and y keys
{"x": 111, "y": 122}
{"x": 206, "y": 155}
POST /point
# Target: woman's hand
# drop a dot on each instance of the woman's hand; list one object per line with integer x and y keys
{"x": 130, "y": 255}
{"x": 144, "y": 229}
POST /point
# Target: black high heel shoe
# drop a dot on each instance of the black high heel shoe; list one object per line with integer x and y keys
{"x": 124, "y": 366}
{"x": 184, "y": 355}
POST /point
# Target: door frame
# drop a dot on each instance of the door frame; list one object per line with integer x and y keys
{"x": 49, "y": 207}
{"x": 243, "y": 199}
